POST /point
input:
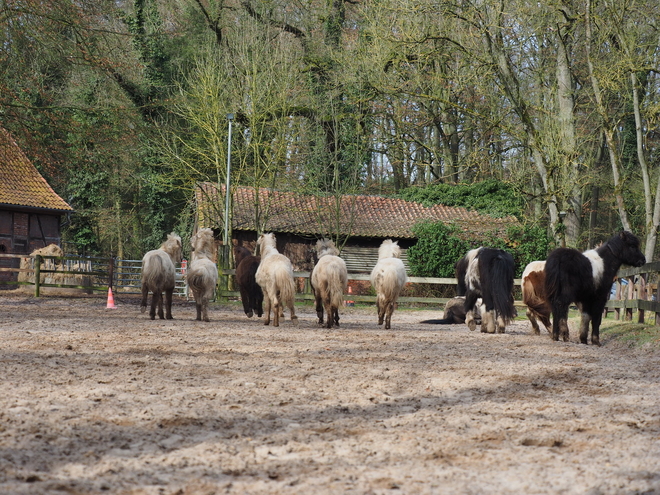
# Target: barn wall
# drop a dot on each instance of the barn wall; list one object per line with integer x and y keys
{"x": 23, "y": 232}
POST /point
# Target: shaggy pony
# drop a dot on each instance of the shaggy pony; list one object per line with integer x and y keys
{"x": 275, "y": 277}
{"x": 329, "y": 280}
{"x": 388, "y": 279}
{"x": 586, "y": 279}
{"x": 202, "y": 275}
{"x": 487, "y": 273}
{"x": 159, "y": 274}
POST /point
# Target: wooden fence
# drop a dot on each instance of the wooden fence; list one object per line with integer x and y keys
{"x": 636, "y": 289}
{"x": 86, "y": 274}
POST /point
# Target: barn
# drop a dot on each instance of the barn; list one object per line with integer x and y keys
{"x": 30, "y": 211}
{"x": 298, "y": 220}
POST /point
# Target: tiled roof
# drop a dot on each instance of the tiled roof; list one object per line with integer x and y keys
{"x": 374, "y": 216}
{"x": 21, "y": 184}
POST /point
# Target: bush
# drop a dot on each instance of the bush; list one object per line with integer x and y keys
{"x": 440, "y": 246}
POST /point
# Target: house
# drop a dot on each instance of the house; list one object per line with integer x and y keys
{"x": 30, "y": 211}
{"x": 298, "y": 220}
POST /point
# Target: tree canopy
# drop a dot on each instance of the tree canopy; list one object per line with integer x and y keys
{"x": 547, "y": 111}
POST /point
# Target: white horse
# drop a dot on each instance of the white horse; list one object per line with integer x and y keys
{"x": 388, "y": 278}
{"x": 159, "y": 274}
{"x": 329, "y": 281}
{"x": 275, "y": 277}
{"x": 202, "y": 275}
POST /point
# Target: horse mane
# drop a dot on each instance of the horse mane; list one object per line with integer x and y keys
{"x": 267, "y": 244}
{"x": 172, "y": 246}
{"x": 203, "y": 244}
{"x": 389, "y": 249}
{"x": 240, "y": 253}
{"x": 326, "y": 246}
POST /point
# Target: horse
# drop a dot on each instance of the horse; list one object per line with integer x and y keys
{"x": 329, "y": 280}
{"x": 533, "y": 295}
{"x": 388, "y": 278}
{"x": 455, "y": 312}
{"x": 251, "y": 294}
{"x": 487, "y": 273}
{"x": 275, "y": 277}
{"x": 159, "y": 274}
{"x": 586, "y": 279}
{"x": 202, "y": 275}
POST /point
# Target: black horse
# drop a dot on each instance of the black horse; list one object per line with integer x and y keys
{"x": 251, "y": 294}
{"x": 586, "y": 279}
{"x": 487, "y": 273}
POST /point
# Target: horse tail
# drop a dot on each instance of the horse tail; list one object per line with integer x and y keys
{"x": 392, "y": 280}
{"x": 202, "y": 277}
{"x": 337, "y": 280}
{"x": 443, "y": 321}
{"x": 158, "y": 272}
{"x": 285, "y": 286}
{"x": 496, "y": 272}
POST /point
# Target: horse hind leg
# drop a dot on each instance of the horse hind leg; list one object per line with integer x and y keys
{"x": 501, "y": 324}
{"x": 267, "y": 309}
{"x": 168, "y": 303}
{"x": 535, "y": 325}
{"x": 145, "y": 295}
{"x": 388, "y": 316}
{"x": 277, "y": 309}
{"x": 156, "y": 303}
{"x": 488, "y": 322}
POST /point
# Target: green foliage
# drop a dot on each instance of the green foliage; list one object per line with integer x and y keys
{"x": 440, "y": 246}
{"x": 491, "y": 197}
{"x": 437, "y": 250}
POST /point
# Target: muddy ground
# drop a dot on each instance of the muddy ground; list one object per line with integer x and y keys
{"x": 96, "y": 400}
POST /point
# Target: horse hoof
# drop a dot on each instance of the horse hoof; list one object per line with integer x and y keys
{"x": 143, "y": 309}
{"x": 250, "y": 314}
{"x": 294, "y": 320}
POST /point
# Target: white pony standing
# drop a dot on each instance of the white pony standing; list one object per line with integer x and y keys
{"x": 202, "y": 275}
{"x": 275, "y": 277}
{"x": 388, "y": 278}
{"x": 159, "y": 274}
{"x": 329, "y": 281}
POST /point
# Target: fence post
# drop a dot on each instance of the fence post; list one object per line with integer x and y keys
{"x": 111, "y": 271}
{"x": 37, "y": 275}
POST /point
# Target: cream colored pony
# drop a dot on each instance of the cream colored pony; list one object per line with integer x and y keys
{"x": 329, "y": 281}
{"x": 159, "y": 274}
{"x": 275, "y": 277}
{"x": 388, "y": 279}
{"x": 202, "y": 275}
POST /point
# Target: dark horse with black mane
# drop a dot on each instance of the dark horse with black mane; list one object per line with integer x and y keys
{"x": 487, "y": 273}
{"x": 251, "y": 294}
{"x": 586, "y": 279}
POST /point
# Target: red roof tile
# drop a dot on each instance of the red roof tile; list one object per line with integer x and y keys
{"x": 21, "y": 184}
{"x": 357, "y": 215}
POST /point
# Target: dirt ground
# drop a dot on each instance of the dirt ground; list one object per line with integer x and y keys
{"x": 96, "y": 400}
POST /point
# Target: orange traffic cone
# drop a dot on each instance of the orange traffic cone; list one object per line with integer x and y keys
{"x": 350, "y": 303}
{"x": 111, "y": 300}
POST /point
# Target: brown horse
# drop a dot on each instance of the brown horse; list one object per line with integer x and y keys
{"x": 246, "y": 268}
{"x": 159, "y": 275}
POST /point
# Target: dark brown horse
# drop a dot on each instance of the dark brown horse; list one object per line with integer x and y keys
{"x": 251, "y": 294}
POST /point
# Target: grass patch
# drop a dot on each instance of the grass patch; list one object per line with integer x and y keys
{"x": 633, "y": 334}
